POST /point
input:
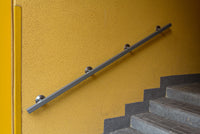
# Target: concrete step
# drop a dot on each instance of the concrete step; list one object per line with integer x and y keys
{"x": 188, "y": 93}
{"x": 126, "y": 131}
{"x": 149, "y": 123}
{"x": 175, "y": 110}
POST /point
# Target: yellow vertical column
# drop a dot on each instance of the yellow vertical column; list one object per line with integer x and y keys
{"x": 5, "y": 66}
{"x": 17, "y": 70}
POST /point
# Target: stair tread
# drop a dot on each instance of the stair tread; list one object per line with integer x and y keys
{"x": 193, "y": 88}
{"x": 178, "y": 105}
{"x": 126, "y": 131}
{"x": 175, "y": 110}
{"x": 188, "y": 93}
{"x": 166, "y": 124}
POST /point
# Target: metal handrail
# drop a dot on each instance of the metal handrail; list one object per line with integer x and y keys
{"x": 41, "y": 100}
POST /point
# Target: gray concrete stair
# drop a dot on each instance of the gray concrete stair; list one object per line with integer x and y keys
{"x": 126, "y": 131}
{"x": 188, "y": 93}
{"x": 175, "y": 110}
{"x": 149, "y": 123}
{"x": 176, "y": 113}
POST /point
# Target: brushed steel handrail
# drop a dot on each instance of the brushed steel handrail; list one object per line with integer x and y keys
{"x": 41, "y": 100}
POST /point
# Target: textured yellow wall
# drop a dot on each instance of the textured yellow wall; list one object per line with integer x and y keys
{"x": 61, "y": 37}
{"x": 5, "y": 66}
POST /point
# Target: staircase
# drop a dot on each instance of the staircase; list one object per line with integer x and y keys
{"x": 176, "y": 113}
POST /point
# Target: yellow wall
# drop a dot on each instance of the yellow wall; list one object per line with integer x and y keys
{"x": 5, "y": 66}
{"x": 61, "y": 37}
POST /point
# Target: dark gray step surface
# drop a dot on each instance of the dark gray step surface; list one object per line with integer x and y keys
{"x": 175, "y": 110}
{"x": 188, "y": 93}
{"x": 126, "y": 131}
{"x": 149, "y": 123}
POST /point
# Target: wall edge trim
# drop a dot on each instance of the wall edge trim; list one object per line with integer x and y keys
{"x": 17, "y": 69}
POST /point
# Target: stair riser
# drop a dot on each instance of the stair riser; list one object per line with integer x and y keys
{"x": 145, "y": 127}
{"x": 175, "y": 114}
{"x": 183, "y": 96}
